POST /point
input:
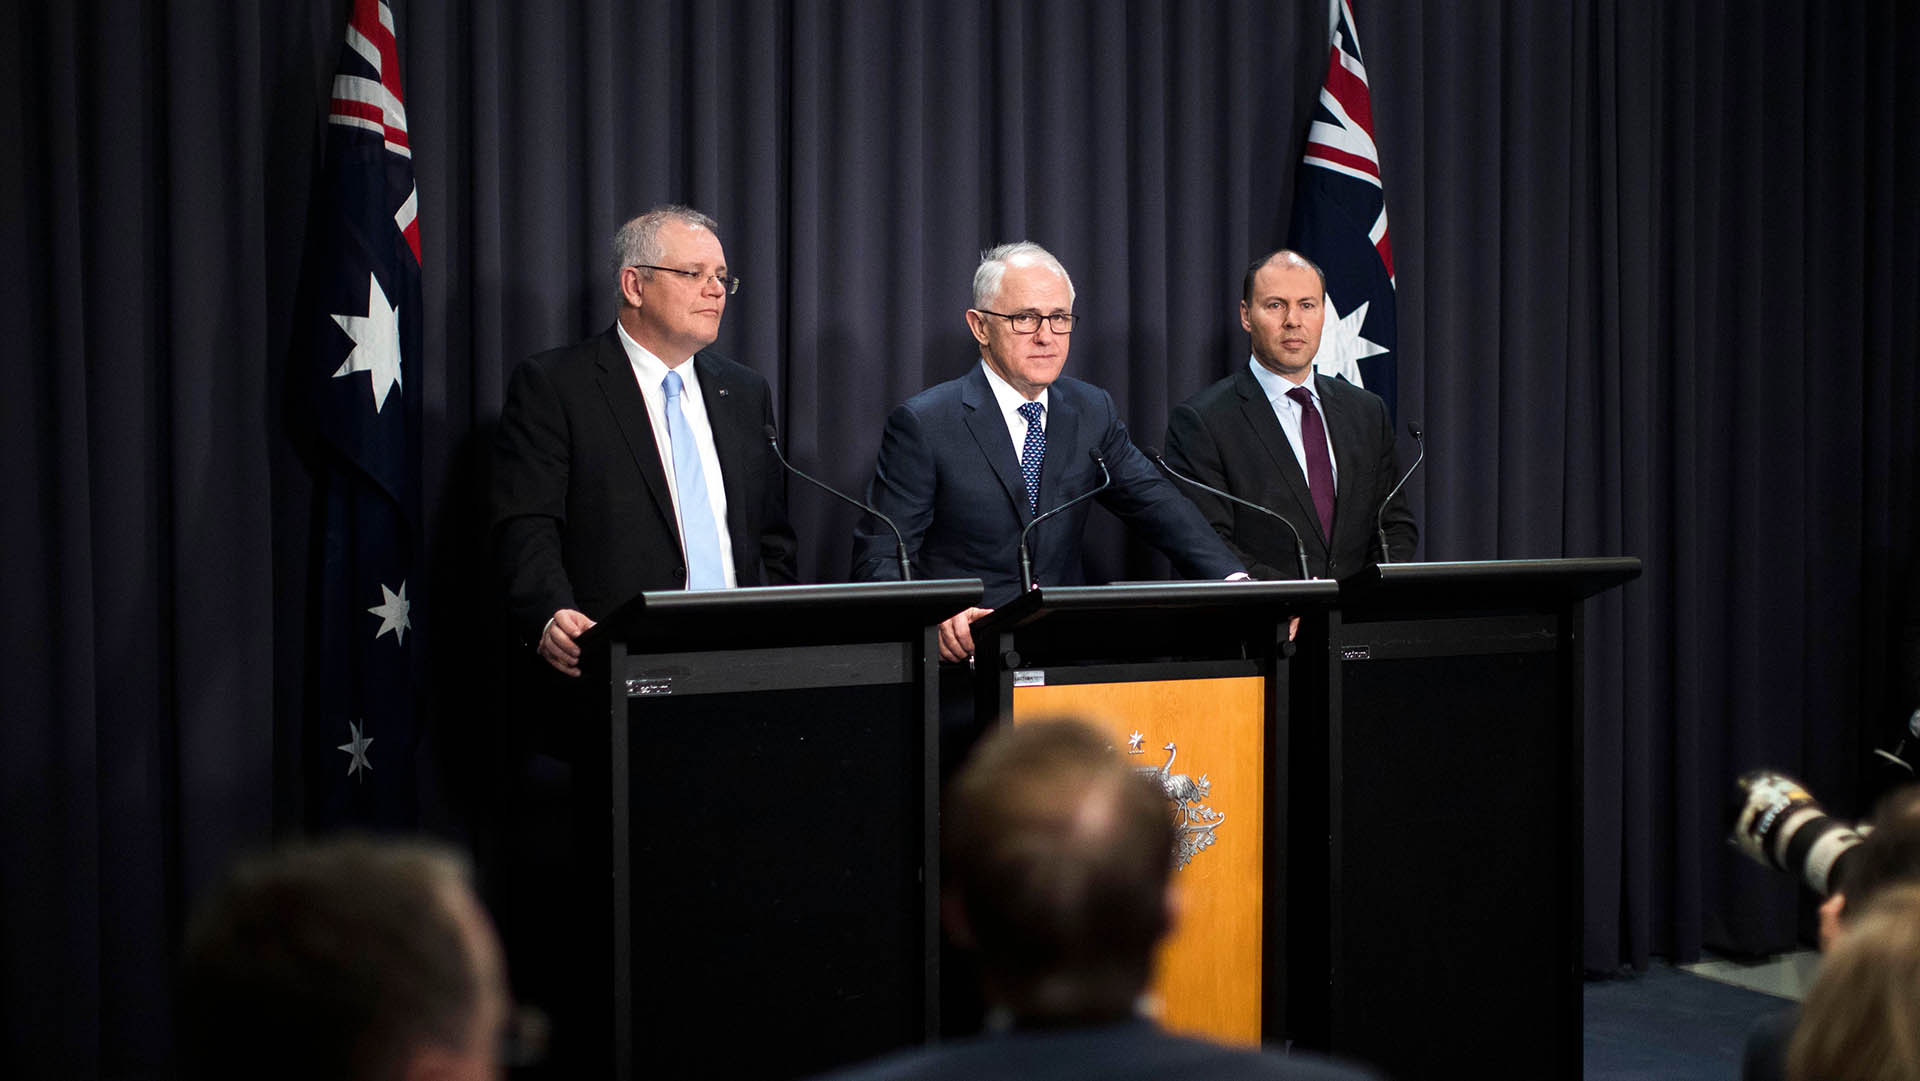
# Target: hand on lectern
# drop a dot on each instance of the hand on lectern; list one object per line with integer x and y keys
{"x": 956, "y": 635}
{"x": 557, "y": 643}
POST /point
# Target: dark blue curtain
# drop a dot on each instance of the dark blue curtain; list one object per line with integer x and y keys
{"x": 1655, "y": 291}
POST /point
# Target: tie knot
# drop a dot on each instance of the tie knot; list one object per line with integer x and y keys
{"x": 1303, "y": 396}
{"x": 1031, "y": 411}
{"x": 671, "y": 384}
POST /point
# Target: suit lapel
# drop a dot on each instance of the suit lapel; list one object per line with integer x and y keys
{"x": 1260, "y": 417}
{"x": 629, "y": 410}
{"x": 1063, "y": 442}
{"x": 990, "y": 431}
{"x": 732, "y": 438}
{"x": 1343, "y": 427}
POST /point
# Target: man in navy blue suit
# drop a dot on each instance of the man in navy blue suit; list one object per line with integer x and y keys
{"x": 964, "y": 466}
{"x": 1058, "y": 859}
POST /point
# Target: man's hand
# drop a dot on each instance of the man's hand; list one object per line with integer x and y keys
{"x": 1293, "y": 628}
{"x": 557, "y": 640}
{"x": 956, "y": 635}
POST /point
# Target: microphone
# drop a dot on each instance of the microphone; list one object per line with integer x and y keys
{"x": 773, "y": 440}
{"x": 1026, "y": 557}
{"x": 1299, "y": 546}
{"x": 1380, "y": 515}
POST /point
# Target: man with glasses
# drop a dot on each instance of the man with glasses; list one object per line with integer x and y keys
{"x": 967, "y": 464}
{"x": 634, "y": 460}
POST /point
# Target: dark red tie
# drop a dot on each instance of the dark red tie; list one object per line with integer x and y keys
{"x": 1319, "y": 465}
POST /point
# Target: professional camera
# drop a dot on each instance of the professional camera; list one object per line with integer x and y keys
{"x": 1778, "y": 823}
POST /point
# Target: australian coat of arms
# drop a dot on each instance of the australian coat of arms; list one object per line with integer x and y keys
{"x": 1196, "y": 821}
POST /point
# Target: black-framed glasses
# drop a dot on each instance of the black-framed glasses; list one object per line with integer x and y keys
{"x": 731, "y": 285}
{"x": 1028, "y": 322}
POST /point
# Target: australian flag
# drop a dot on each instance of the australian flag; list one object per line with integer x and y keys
{"x": 1340, "y": 220}
{"x": 365, "y": 393}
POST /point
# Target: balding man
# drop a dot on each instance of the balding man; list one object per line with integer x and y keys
{"x": 1058, "y": 861}
{"x": 1316, "y": 449}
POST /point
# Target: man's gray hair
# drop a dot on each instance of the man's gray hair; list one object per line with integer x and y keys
{"x": 995, "y": 261}
{"x": 637, "y": 243}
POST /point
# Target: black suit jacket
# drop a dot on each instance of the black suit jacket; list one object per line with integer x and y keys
{"x": 581, "y": 515}
{"x": 948, "y": 477}
{"x": 1228, "y": 436}
{"x": 1121, "y": 1052}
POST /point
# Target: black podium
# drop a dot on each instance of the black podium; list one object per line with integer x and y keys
{"x": 1191, "y": 681}
{"x": 1444, "y": 820}
{"x": 771, "y": 770}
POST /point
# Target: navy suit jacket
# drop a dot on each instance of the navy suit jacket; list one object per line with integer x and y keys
{"x": 948, "y": 477}
{"x": 581, "y": 514}
{"x": 1127, "y": 1051}
{"x": 1227, "y": 435}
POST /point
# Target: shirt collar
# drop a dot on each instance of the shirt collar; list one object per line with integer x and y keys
{"x": 1276, "y": 386}
{"x": 1008, "y": 399}
{"x": 650, "y": 370}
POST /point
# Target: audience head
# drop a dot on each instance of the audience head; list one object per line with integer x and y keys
{"x": 1889, "y": 855}
{"x": 1861, "y": 1020}
{"x": 1022, "y": 315}
{"x": 1057, "y": 857}
{"x": 349, "y": 959}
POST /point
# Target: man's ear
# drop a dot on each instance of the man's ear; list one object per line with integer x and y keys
{"x": 632, "y": 286}
{"x": 1173, "y": 903}
{"x": 1246, "y": 324}
{"x": 978, "y": 324}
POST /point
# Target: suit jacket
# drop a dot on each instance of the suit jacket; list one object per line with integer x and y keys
{"x": 1120, "y": 1052}
{"x": 581, "y": 514}
{"x": 948, "y": 477}
{"x": 1228, "y": 436}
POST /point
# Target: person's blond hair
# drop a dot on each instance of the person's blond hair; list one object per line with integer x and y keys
{"x": 1861, "y": 1021}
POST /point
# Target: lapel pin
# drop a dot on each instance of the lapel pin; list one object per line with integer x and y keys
{"x": 723, "y": 392}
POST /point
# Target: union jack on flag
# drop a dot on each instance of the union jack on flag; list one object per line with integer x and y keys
{"x": 1340, "y": 220}
{"x": 364, "y": 388}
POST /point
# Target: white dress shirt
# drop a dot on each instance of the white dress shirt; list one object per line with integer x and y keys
{"x": 1010, "y": 400}
{"x": 1289, "y": 412}
{"x": 650, "y": 371}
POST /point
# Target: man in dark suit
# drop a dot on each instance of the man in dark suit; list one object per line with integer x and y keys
{"x": 965, "y": 465}
{"x": 1058, "y": 861}
{"x": 1325, "y": 464}
{"x": 622, "y": 467}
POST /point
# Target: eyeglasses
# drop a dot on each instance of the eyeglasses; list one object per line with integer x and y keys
{"x": 731, "y": 285}
{"x": 1028, "y": 322}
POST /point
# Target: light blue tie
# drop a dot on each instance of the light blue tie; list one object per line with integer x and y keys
{"x": 702, "y": 536}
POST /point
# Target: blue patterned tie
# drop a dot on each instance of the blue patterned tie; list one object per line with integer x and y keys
{"x": 697, "y": 528}
{"x": 1033, "y": 452}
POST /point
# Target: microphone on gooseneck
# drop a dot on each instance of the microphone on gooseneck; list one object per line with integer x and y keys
{"x": 1299, "y": 546}
{"x": 773, "y": 440}
{"x": 1380, "y": 515}
{"x": 1026, "y": 557}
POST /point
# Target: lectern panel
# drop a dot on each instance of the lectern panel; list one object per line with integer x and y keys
{"x": 1204, "y": 741}
{"x": 777, "y": 895}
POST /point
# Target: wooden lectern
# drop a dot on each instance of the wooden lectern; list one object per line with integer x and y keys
{"x": 771, "y": 772}
{"x": 1190, "y": 680}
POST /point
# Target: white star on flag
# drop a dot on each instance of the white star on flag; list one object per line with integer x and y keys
{"x": 358, "y": 749}
{"x": 1342, "y": 346}
{"x": 376, "y": 343}
{"x": 393, "y": 610}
